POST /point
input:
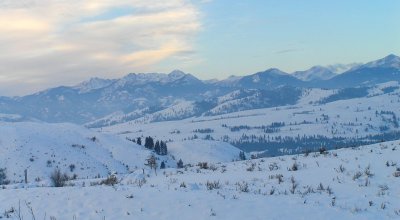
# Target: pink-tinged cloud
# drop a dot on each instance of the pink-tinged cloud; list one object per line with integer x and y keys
{"x": 46, "y": 43}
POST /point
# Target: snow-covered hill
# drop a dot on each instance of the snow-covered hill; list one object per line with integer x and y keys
{"x": 354, "y": 183}
{"x": 335, "y": 118}
{"x": 41, "y": 148}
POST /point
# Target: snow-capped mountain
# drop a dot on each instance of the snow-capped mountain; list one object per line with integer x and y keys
{"x": 341, "y": 68}
{"x": 314, "y": 73}
{"x": 268, "y": 79}
{"x": 379, "y": 71}
{"x": 390, "y": 61}
{"x": 99, "y": 98}
{"x": 93, "y": 84}
{"x": 239, "y": 148}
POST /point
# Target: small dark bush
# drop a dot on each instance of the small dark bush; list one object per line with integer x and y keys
{"x": 294, "y": 167}
{"x": 243, "y": 187}
{"x": 3, "y": 177}
{"x": 72, "y": 167}
{"x": 213, "y": 185}
{"x": 58, "y": 179}
{"x": 203, "y": 165}
{"x": 110, "y": 181}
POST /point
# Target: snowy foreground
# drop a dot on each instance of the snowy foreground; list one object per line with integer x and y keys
{"x": 360, "y": 183}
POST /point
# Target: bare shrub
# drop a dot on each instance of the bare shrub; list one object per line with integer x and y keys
{"x": 368, "y": 172}
{"x": 279, "y": 177}
{"x": 294, "y": 167}
{"x": 243, "y": 186}
{"x": 213, "y": 185}
{"x": 357, "y": 175}
{"x": 272, "y": 191}
{"x": 273, "y": 166}
{"x": 110, "y": 181}
{"x": 203, "y": 165}
{"x": 3, "y": 177}
{"x": 294, "y": 185}
{"x": 341, "y": 169}
{"x": 329, "y": 190}
{"x": 307, "y": 152}
{"x": 140, "y": 182}
{"x": 320, "y": 187}
{"x": 322, "y": 150}
{"x": 251, "y": 168}
{"x": 58, "y": 179}
{"x": 213, "y": 167}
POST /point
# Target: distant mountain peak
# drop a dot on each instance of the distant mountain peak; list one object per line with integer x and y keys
{"x": 314, "y": 73}
{"x": 391, "y": 57}
{"x": 341, "y": 68}
{"x": 275, "y": 71}
{"x": 176, "y": 74}
{"x": 92, "y": 84}
{"x": 390, "y": 61}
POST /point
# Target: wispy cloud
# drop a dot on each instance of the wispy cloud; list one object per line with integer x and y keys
{"x": 46, "y": 42}
{"x": 287, "y": 51}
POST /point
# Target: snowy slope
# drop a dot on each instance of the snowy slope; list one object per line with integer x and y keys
{"x": 41, "y": 147}
{"x": 357, "y": 183}
{"x": 328, "y": 113}
{"x": 203, "y": 151}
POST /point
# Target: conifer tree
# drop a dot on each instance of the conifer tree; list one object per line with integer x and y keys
{"x": 180, "y": 164}
{"x": 242, "y": 156}
{"x": 162, "y": 166}
{"x": 157, "y": 148}
{"x": 164, "y": 148}
{"x": 149, "y": 143}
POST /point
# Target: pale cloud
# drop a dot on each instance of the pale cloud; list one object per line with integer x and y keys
{"x": 45, "y": 42}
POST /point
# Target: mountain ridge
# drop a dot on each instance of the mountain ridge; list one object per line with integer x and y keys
{"x": 97, "y": 98}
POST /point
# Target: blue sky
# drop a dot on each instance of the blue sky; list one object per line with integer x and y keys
{"x": 48, "y": 43}
{"x": 242, "y": 37}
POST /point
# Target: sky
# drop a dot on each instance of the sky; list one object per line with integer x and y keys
{"x": 47, "y": 43}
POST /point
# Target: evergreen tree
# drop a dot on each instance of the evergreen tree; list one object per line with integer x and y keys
{"x": 162, "y": 166}
{"x": 157, "y": 148}
{"x": 164, "y": 148}
{"x": 146, "y": 142}
{"x": 180, "y": 164}
{"x": 242, "y": 156}
{"x": 139, "y": 141}
{"x": 149, "y": 143}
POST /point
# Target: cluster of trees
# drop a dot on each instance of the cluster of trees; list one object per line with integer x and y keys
{"x": 272, "y": 128}
{"x": 281, "y": 145}
{"x": 204, "y": 131}
{"x": 159, "y": 147}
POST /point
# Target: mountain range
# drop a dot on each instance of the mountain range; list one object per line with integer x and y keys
{"x": 93, "y": 102}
